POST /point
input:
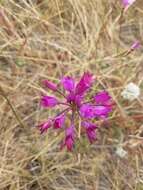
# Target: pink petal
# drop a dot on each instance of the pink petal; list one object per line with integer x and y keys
{"x": 69, "y": 143}
{"x": 90, "y": 131}
{"x": 59, "y": 121}
{"x": 76, "y": 99}
{"x": 45, "y": 126}
{"x": 87, "y": 111}
{"x": 90, "y": 111}
{"x": 70, "y": 131}
{"x": 91, "y": 134}
{"x": 69, "y": 139}
{"x": 48, "y": 101}
{"x": 85, "y": 83}
{"x": 50, "y": 85}
{"x": 102, "y": 98}
{"x": 101, "y": 111}
{"x": 68, "y": 83}
{"x": 89, "y": 125}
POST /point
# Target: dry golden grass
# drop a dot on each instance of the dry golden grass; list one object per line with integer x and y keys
{"x": 49, "y": 38}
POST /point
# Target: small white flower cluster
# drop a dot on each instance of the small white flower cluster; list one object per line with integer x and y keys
{"x": 121, "y": 152}
{"x": 131, "y": 92}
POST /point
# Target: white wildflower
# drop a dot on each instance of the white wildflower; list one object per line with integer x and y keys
{"x": 121, "y": 152}
{"x": 131, "y": 91}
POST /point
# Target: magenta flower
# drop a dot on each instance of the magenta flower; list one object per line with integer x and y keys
{"x": 45, "y": 126}
{"x": 69, "y": 138}
{"x": 68, "y": 83}
{"x": 90, "y": 131}
{"x": 90, "y": 111}
{"x": 84, "y": 84}
{"x": 87, "y": 111}
{"x": 102, "y": 98}
{"x": 50, "y": 85}
{"x": 76, "y": 105}
{"x": 73, "y": 98}
{"x": 48, "y": 101}
{"x": 59, "y": 121}
{"x": 102, "y": 111}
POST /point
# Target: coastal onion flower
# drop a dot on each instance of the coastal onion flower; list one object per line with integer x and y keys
{"x": 103, "y": 98}
{"x": 59, "y": 121}
{"x": 74, "y": 103}
{"x": 84, "y": 84}
{"x": 50, "y": 85}
{"x": 90, "y": 130}
{"x": 69, "y": 137}
{"x": 131, "y": 92}
{"x": 48, "y": 101}
{"x": 45, "y": 126}
{"x": 68, "y": 83}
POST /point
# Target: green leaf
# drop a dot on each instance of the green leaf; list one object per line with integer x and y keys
{"x": 19, "y": 62}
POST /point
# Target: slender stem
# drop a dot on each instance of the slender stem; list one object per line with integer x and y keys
{"x": 72, "y": 116}
{"x": 82, "y": 118}
{"x": 2, "y": 93}
{"x": 65, "y": 110}
{"x": 79, "y": 129}
{"x": 79, "y": 158}
{"x": 62, "y": 103}
{"x": 58, "y": 91}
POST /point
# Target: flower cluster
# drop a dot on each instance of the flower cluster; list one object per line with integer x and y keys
{"x": 131, "y": 91}
{"x": 76, "y": 104}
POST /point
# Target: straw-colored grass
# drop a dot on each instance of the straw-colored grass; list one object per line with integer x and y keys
{"x": 45, "y": 39}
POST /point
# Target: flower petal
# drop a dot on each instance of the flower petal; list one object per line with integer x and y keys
{"x": 91, "y": 134}
{"x": 70, "y": 131}
{"x": 50, "y": 85}
{"x": 89, "y": 125}
{"x": 102, "y": 111}
{"x": 87, "y": 111}
{"x": 48, "y": 101}
{"x": 45, "y": 126}
{"x": 85, "y": 83}
{"x": 59, "y": 121}
{"x": 69, "y": 139}
{"x": 77, "y": 99}
{"x": 68, "y": 83}
{"x": 102, "y": 98}
{"x": 69, "y": 143}
{"x": 90, "y": 111}
{"x": 90, "y": 131}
